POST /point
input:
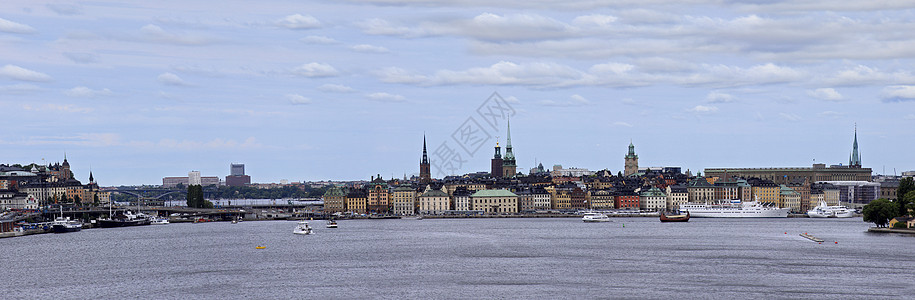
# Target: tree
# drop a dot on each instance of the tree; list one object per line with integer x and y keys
{"x": 195, "y": 197}
{"x": 910, "y": 202}
{"x": 95, "y": 201}
{"x": 64, "y": 199}
{"x": 880, "y": 212}
{"x": 906, "y": 186}
{"x": 77, "y": 200}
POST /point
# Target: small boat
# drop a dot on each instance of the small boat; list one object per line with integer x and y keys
{"x": 331, "y": 224}
{"x": 674, "y": 218}
{"x": 61, "y": 225}
{"x": 158, "y": 221}
{"x": 302, "y": 228}
{"x": 825, "y": 211}
{"x": 594, "y": 217}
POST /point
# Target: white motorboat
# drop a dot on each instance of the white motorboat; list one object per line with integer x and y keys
{"x": 826, "y": 211}
{"x": 158, "y": 221}
{"x": 734, "y": 209}
{"x": 331, "y": 224}
{"x": 593, "y": 217}
{"x": 302, "y": 228}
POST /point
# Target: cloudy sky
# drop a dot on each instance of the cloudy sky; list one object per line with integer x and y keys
{"x": 343, "y": 90}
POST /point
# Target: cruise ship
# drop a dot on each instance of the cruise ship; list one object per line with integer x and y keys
{"x": 733, "y": 209}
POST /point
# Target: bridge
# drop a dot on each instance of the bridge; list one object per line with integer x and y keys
{"x": 147, "y": 193}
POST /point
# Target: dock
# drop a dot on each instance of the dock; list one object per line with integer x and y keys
{"x": 810, "y": 237}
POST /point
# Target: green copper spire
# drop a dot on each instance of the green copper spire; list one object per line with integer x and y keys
{"x": 855, "y": 158}
{"x": 509, "y": 155}
{"x": 631, "y": 151}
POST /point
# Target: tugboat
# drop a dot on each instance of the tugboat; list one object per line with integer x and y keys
{"x": 674, "y": 218}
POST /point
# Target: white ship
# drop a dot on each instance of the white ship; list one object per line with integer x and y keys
{"x": 594, "y": 217}
{"x": 733, "y": 209}
{"x": 825, "y": 211}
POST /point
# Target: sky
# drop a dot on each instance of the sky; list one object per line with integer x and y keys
{"x": 344, "y": 90}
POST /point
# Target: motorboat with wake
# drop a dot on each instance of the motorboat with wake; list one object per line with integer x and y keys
{"x": 331, "y": 224}
{"x": 302, "y": 228}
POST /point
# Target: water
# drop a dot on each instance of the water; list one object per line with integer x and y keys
{"x": 465, "y": 258}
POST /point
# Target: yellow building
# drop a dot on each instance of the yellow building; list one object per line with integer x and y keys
{"x": 404, "y": 198}
{"x": 334, "y": 200}
{"x": 356, "y": 201}
{"x": 789, "y": 198}
{"x": 494, "y": 201}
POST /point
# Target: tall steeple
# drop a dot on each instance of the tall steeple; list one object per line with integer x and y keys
{"x": 509, "y": 167}
{"x": 631, "y": 161}
{"x": 854, "y": 160}
{"x": 425, "y": 173}
{"x": 496, "y": 171}
{"x": 91, "y": 178}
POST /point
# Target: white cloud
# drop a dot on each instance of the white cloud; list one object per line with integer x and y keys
{"x": 156, "y": 34}
{"x": 335, "y": 88}
{"x": 86, "y": 92}
{"x": 317, "y": 39}
{"x": 575, "y": 100}
{"x": 790, "y": 117}
{"x": 723, "y": 75}
{"x": 315, "y": 70}
{"x": 509, "y": 73}
{"x": 512, "y": 99}
{"x": 703, "y": 109}
{"x": 623, "y": 124}
{"x": 719, "y": 97}
{"x": 825, "y": 94}
{"x": 20, "y": 73}
{"x": 399, "y": 75}
{"x": 171, "y": 79}
{"x": 898, "y": 93}
{"x": 381, "y": 96}
{"x": 298, "y": 21}
{"x": 13, "y": 27}
{"x": 376, "y": 26}
{"x": 365, "y": 48}
{"x": 65, "y": 9}
{"x": 514, "y": 27}
{"x": 69, "y": 108}
{"x": 20, "y": 88}
{"x": 831, "y": 114}
{"x": 909, "y": 117}
{"x": 297, "y": 99}
{"x": 81, "y": 58}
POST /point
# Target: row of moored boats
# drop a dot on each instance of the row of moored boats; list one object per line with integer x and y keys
{"x": 737, "y": 209}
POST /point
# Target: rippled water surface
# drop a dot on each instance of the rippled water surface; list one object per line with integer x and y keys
{"x": 465, "y": 258}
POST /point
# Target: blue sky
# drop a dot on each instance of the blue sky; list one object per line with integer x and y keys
{"x": 343, "y": 90}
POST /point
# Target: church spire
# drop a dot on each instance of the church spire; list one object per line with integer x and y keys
{"x": 509, "y": 155}
{"x": 855, "y": 159}
{"x": 425, "y": 157}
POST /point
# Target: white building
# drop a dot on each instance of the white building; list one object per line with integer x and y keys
{"x": 653, "y": 199}
{"x": 676, "y": 196}
{"x": 193, "y": 178}
{"x": 434, "y": 202}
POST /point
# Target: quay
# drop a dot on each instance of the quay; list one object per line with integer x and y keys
{"x": 891, "y": 230}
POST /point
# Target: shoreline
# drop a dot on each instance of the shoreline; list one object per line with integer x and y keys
{"x": 891, "y": 230}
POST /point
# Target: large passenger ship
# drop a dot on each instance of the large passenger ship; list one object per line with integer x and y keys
{"x": 734, "y": 209}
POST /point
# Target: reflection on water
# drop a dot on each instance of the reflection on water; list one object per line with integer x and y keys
{"x": 465, "y": 258}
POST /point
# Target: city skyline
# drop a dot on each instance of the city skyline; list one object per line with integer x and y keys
{"x": 140, "y": 91}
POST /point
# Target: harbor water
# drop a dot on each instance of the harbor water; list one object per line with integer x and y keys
{"x": 465, "y": 258}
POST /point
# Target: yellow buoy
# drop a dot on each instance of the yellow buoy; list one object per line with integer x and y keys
{"x": 260, "y": 247}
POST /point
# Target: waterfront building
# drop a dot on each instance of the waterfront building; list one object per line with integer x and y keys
{"x": 378, "y": 196}
{"x": 494, "y": 201}
{"x": 434, "y": 201}
{"x": 425, "y": 173}
{"x": 824, "y": 192}
{"x": 856, "y": 194}
{"x": 334, "y": 200}
{"x": 727, "y": 189}
{"x": 509, "y": 168}
{"x": 764, "y": 190}
{"x": 356, "y": 201}
{"x": 496, "y": 170}
{"x": 627, "y": 200}
{"x": 653, "y": 200}
{"x": 461, "y": 197}
{"x": 676, "y": 196}
{"x": 789, "y": 198}
{"x": 700, "y": 191}
{"x": 533, "y": 199}
{"x": 888, "y": 190}
{"x": 631, "y": 165}
{"x": 601, "y": 199}
{"x": 404, "y": 198}
{"x": 17, "y": 200}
